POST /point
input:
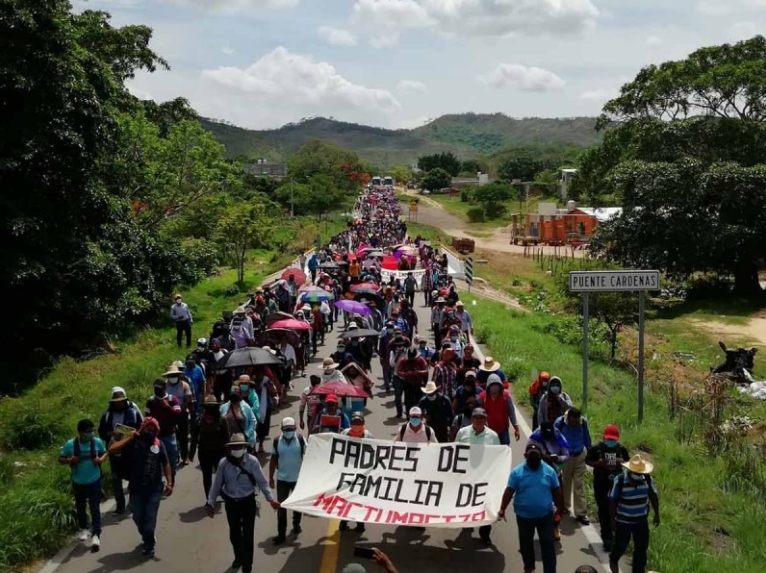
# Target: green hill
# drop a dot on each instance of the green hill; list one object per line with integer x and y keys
{"x": 468, "y": 135}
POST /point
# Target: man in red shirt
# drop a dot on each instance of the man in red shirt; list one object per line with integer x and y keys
{"x": 166, "y": 410}
{"x": 501, "y": 412}
{"x": 411, "y": 375}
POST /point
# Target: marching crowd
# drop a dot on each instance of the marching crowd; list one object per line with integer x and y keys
{"x": 218, "y": 403}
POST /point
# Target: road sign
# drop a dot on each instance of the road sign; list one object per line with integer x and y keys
{"x": 413, "y": 206}
{"x": 587, "y": 282}
{"x": 468, "y": 271}
{"x": 614, "y": 281}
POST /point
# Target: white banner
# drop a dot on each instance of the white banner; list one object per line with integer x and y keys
{"x": 396, "y": 483}
{"x": 386, "y": 274}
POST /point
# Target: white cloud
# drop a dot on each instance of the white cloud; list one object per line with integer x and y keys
{"x": 479, "y": 17}
{"x": 228, "y": 51}
{"x": 336, "y": 36}
{"x": 654, "y": 41}
{"x": 414, "y": 122}
{"x": 713, "y": 7}
{"x": 138, "y": 92}
{"x": 522, "y": 78}
{"x": 229, "y": 6}
{"x": 381, "y": 41}
{"x": 411, "y": 87}
{"x": 742, "y": 30}
{"x": 284, "y": 78}
{"x": 600, "y": 96}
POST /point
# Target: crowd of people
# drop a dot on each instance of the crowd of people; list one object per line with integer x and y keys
{"x": 364, "y": 278}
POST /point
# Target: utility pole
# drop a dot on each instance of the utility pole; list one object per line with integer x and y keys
{"x": 292, "y": 199}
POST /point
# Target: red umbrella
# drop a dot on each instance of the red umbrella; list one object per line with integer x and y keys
{"x": 371, "y": 286}
{"x": 291, "y": 324}
{"x": 299, "y": 275}
{"x": 339, "y": 389}
{"x": 390, "y": 263}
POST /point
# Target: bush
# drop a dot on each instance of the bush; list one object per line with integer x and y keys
{"x": 475, "y": 215}
{"x": 466, "y": 195}
{"x": 29, "y": 428}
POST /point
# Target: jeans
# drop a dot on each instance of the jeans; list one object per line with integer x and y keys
{"x": 544, "y": 527}
{"x": 601, "y": 493}
{"x": 398, "y": 393}
{"x": 182, "y": 434}
{"x": 284, "y": 489}
{"x": 410, "y": 296}
{"x": 505, "y": 437}
{"x": 171, "y": 447}
{"x": 183, "y": 327}
{"x": 387, "y": 369}
{"x": 573, "y": 484}
{"x": 640, "y": 534}
{"x": 119, "y": 492}
{"x": 144, "y": 509}
{"x": 90, "y": 495}
{"x": 485, "y": 531}
{"x": 240, "y": 513}
{"x": 208, "y": 462}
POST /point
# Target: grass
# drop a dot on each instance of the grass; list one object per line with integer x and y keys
{"x": 38, "y": 511}
{"x": 710, "y": 505}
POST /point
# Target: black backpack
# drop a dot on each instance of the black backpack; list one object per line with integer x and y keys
{"x": 403, "y": 428}
{"x": 77, "y": 451}
{"x": 621, "y": 485}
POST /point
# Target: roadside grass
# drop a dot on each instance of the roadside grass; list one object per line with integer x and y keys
{"x": 709, "y": 505}
{"x": 37, "y": 508}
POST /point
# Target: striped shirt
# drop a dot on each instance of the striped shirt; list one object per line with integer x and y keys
{"x": 631, "y": 498}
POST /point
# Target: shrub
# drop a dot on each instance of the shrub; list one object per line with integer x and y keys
{"x": 475, "y": 215}
{"x": 29, "y": 428}
{"x": 466, "y": 195}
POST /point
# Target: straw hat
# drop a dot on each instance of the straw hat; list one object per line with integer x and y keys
{"x": 639, "y": 465}
{"x": 211, "y": 401}
{"x": 328, "y": 363}
{"x": 489, "y": 365}
{"x": 118, "y": 395}
{"x": 237, "y": 440}
{"x": 173, "y": 370}
{"x": 430, "y": 388}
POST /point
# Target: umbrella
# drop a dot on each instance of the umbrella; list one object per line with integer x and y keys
{"x": 376, "y": 254}
{"x": 328, "y": 265}
{"x": 275, "y": 316}
{"x": 365, "y": 286}
{"x": 354, "y": 307}
{"x": 339, "y": 389}
{"x": 358, "y": 333}
{"x": 370, "y": 295}
{"x": 274, "y": 335}
{"x": 399, "y": 246}
{"x": 408, "y": 250}
{"x": 291, "y": 324}
{"x": 316, "y": 296}
{"x": 250, "y": 356}
{"x": 300, "y": 276}
{"x": 310, "y": 288}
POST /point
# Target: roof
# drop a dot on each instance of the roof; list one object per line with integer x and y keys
{"x": 601, "y": 214}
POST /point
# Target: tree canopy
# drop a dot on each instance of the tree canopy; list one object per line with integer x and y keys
{"x": 685, "y": 160}
{"x": 447, "y": 161}
{"x": 437, "y": 178}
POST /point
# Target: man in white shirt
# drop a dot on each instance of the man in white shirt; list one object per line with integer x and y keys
{"x": 415, "y": 431}
{"x": 182, "y": 316}
{"x": 466, "y": 323}
{"x": 288, "y": 352}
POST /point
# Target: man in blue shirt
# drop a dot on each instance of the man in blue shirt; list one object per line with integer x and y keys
{"x": 536, "y": 493}
{"x": 196, "y": 378}
{"x": 286, "y": 460}
{"x": 574, "y": 427}
{"x": 85, "y": 454}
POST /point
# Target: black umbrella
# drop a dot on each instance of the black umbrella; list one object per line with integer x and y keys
{"x": 371, "y": 296}
{"x": 359, "y": 333}
{"x": 250, "y": 356}
{"x": 329, "y": 265}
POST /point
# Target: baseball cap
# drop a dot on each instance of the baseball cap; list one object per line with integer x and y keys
{"x": 479, "y": 412}
{"x": 331, "y": 398}
{"x": 470, "y": 374}
{"x": 416, "y": 412}
{"x": 533, "y": 447}
{"x": 288, "y": 422}
{"x": 611, "y": 432}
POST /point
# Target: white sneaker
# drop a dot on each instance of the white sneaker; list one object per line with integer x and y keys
{"x": 84, "y": 535}
{"x": 95, "y": 544}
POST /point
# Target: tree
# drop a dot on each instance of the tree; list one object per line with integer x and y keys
{"x": 684, "y": 159}
{"x": 435, "y": 179}
{"x": 472, "y": 166}
{"x": 401, "y": 174}
{"x": 523, "y": 166}
{"x": 447, "y": 161}
{"x": 492, "y": 195}
{"x": 244, "y": 226}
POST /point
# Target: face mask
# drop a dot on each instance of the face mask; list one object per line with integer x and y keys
{"x": 87, "y": 436}
{"x": 237, "y": 453}
{"x": 179, "y": 301}
{"x": 173, "y": 381}
{"x": 235, "y": 399}
{"x": 389, "y": 331}
{"x": 431, "y": 398}
{"x": 635, "y": 477}
{"x": 533, "y": 462}
{"x": 244, "y": 388}
{"x": 610, "y": 443}
{"x": 422, "y": 346}
{"x": 289, "y": 434}
{"x": 415, "y": 422}
{"x": 341, "y": 349}
{"x": 148, "y": 436}
{"x": 329, "y": 371}
{"x": 453, "y": 338}
{"x": 555, "y": 390}
{"x": 159, "y": 392}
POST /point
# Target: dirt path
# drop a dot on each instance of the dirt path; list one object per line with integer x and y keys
{"x": 751, "y": 334}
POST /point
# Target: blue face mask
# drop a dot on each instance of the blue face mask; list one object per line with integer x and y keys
{"x": 86, "y": 436}
{"x": 289, "y": 434}
{"x": 555, "y": 390}
{"x": 610, "y": 443}
{"x": 244, "y": 388}
{"x": 415, "y": 422}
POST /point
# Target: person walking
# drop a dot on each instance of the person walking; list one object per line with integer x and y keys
{"x": 120, "y": 413}
{"x": 574, "y": 427}
{"x": 210, "y": 434}
{"x": 182, "y": 316}
{"x": 501, "y": 411}
{"x": 411, "y": 375}
{"x": 554, "y": 402}
{"x": 238, "y": 480}
{"x": 438, "y": 411}
{"x": 536, "y": 391}
{"x": 415, "y": 431}
{"x": 555, "y": 453}
{"x": 632, "y": 494}
{"x": 165, "y": 408}
{"x": 536, "y": 494}
{"x": 606, "y": 459}
{"x": 410, "y": 286}
{"x": 286, "y": 460}
{"x": 356, "y": 431}
{"x": 84, "y": 454}
{"x": 478, "y": 433}
{"x": 149, "y": 463}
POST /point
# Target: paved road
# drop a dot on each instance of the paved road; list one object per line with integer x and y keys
{"x": 188, "y": 541}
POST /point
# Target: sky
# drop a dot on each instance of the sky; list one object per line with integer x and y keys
{"x": 399, "y": 63}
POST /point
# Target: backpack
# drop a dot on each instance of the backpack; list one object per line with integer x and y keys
{"x": 621, "y": 484}
{"x": 77, "y": 452}
{"x": 301, "y": 441}
{"x": 403, "y": 428}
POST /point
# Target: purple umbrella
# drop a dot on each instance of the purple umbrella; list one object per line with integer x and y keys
{"x": 354, "y": 307}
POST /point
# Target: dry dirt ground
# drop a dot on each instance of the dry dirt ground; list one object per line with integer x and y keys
{"x": 751, "y": 334}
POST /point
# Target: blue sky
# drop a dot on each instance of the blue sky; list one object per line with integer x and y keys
{"x": 398, "y": 63}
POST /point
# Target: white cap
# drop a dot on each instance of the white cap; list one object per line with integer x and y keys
{"x": 288, "y": 422}
{"x": 415, "y": 411}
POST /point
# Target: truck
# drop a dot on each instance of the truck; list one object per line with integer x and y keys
{"x": 463, "y": 246}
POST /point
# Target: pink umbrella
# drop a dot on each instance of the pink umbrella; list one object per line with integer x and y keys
{"x": 291, "y": 324}
{"x": 339, "y": 389}
{"x": 311, "y": 288}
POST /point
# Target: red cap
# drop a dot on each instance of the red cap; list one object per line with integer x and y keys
{"x": 611, "y": 432}
{"x": 331, "y": 398}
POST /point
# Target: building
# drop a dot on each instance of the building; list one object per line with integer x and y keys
{"x": 554, "y": 226}
{"x": 265, "y": 168}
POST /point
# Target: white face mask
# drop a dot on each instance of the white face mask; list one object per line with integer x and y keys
{"x": 329, "y": 371}
{"x": 237, "y": 453}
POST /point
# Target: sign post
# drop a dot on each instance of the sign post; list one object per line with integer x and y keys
{"x": 413, "y": 210}
{"x": 587, "y": 282}
{"x": 468, "y": 271}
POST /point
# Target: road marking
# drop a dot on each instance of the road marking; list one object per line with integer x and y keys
{"x": 331, "y": 548}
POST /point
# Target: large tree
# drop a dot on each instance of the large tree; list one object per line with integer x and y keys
{"x": 684, "y": 157}
{"x": 447, "y": 161}
{"x": 436, "y": 179}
